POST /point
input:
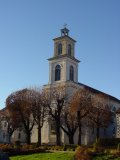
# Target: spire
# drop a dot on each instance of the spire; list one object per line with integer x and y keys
{"x": 64, "y": 31}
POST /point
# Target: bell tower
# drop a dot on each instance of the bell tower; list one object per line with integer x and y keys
{"x": 63, "y": 66}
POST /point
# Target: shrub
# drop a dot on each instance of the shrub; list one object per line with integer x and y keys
{"x": 97, "y": 147}
{"x": 6, "y": 147}
{"x": 109, "y": 142}
{"x": 107, "y": 151}
{"x": 82, "y": 153}
{"x": 45, "y": 147}
{"x": 27, "y": 147}
{"x": 70, "y": 147}
{"x": 118, "y": 147}
{"x": 113, "y": 151}
{"x": 25, "y": 152}
{"x": 64, "y": 147}
{"x": 57, "y": 148}
{"x": 17, "y": 144}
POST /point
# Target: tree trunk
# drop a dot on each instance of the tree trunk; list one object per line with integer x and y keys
{"x": 97, "y": 133}
{"x": 39, "y": 135}
{"x": 79, "y": 134}
{"x": 58, "y": 137}
{"x": 9, "y": 138}
{"x": 28, "y": 137}
{"x": 71, "y": 138}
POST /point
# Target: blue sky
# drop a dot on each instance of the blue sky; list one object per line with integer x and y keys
{"x": 27, "y": 28}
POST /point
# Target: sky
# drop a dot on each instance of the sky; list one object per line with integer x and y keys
{"x": 27, "y": 28}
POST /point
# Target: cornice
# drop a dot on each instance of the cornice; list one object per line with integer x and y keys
{"x": 63, "y": 56}
{"x": 62, "y": 37}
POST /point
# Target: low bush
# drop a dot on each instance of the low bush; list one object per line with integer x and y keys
{"x": 65, "y": 147}
{"x": 98, "y": 148}
{"x": 71, "y": 147}
{"x": 5, "y": 147}
{"x": 109, "y": 142}
{"x": 45, "y": 147}
{"x": 27, "y": 147}
{"x": 58, "y": 148}
{"x": 25, "y": 152}
{"x": 17, "y": 143}
{"x": 82, "y": 153}
{"x": 24, "y": 149}
{"x": 118, "y": 147}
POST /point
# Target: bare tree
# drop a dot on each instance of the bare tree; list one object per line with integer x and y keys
{"x": 54, "y": 99}
{"x": 81, "y": 104}
{"x": 1, "y": 118}
{"x": 12, "y": 123}
{"x": 39, "y": 110}
{"x": 100, "y": 115}
{"x": 19, "y": 103}
{"x": 69, "y": 123}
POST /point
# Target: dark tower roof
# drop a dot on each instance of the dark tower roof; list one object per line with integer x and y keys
{"x": 64, "y": 32}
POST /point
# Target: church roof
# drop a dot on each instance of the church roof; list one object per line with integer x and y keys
{"x": 97, "y": 91}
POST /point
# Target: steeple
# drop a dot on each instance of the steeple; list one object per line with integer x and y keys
{"x": 63, "y": 65}
{"x": 64, "y": 45}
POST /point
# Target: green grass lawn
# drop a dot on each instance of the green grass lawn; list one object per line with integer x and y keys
{"x": 46, "y": 156}
{"x": 105, "y": 157}
{"x": 58, "y": 156}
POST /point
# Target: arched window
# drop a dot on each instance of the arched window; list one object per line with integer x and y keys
{"x": 57, "y": 72}
{"x": 53, "y": 127}
{"x": 113, "y": 108}
{"x": 71, "y": 73}
{"x": 69, "y": 49}
{"x": 59, "y": 48}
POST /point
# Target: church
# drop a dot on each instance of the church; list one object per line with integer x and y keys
{"x": 63, "y": 69}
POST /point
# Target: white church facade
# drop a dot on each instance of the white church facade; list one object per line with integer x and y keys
{"x": 63, "y": 69}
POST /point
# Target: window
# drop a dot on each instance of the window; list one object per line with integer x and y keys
{"x": 69, "y": 50}
{"x": 57, "y": 72}
{"x": 53, "y": 128}
{"x": 59, "y": 48}
{"x": 71, "y": 73}
{"x": 114, "y": 109}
